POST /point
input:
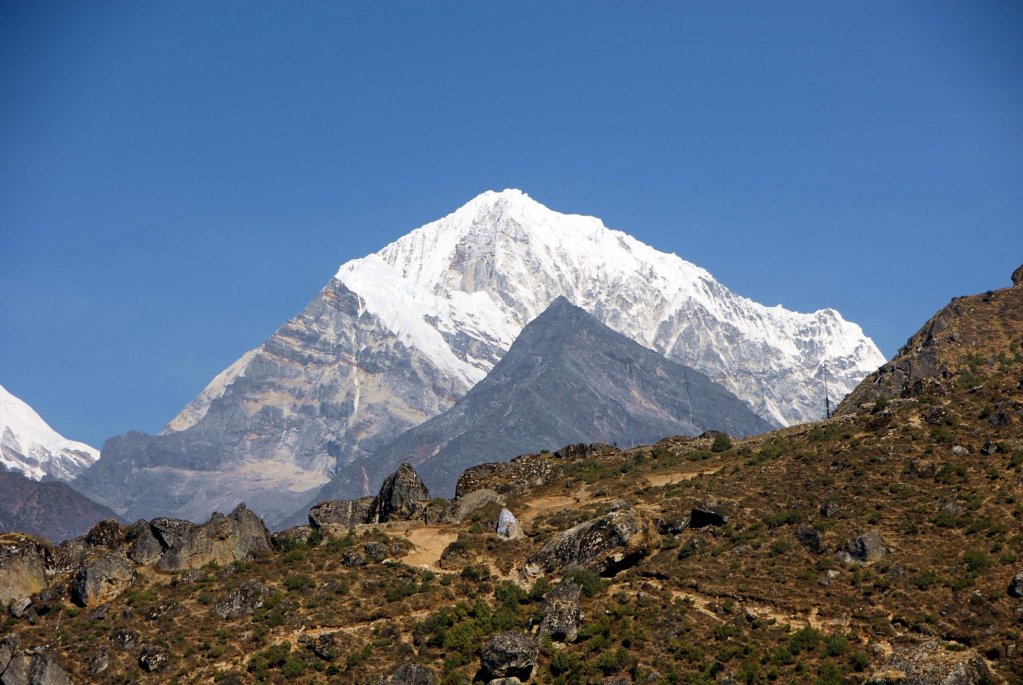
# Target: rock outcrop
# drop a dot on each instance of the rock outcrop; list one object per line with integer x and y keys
{"x": 223, "y": 539}
{"x": 864, "y": 549}
{"x": 934, "y": 663}
{"x": 34, "y": 669}
{"x": 337, "y": 517}
{"x": 22, "y": 567}
{"x": 562, "y": 614}
{"x": 101, "y": 580}
{"x": 509, "y": 655}
{"x": 605, "y": 545}
{"x": 243, "y": 600}
{"x": 403, "y": 497}
{"x": 413, "y": 674}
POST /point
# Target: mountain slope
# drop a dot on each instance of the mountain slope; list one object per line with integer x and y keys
{"x": 326, "y": 386}
{"x": 397, "y": 337}
{"x": 566, "y": 378}
{"x": 50, "y": 509}
{"x": 29, "y": 446}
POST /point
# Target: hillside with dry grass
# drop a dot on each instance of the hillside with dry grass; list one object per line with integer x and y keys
{"x": 881, "y": 546}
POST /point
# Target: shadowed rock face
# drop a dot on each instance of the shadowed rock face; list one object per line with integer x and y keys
{"x": 402, "y": 497}
{"x": 99, "y": 581}
{"x": 567, "y": 378}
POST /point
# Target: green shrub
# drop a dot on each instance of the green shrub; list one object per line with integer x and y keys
{"x": 722, "y": 443}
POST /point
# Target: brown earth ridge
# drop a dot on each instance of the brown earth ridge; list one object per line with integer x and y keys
{"x": 881, "y": 546}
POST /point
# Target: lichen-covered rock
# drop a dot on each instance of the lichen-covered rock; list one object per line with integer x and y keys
{"x": 509, "y": 655}
{"x": 865, "y": 549}
{"x": 403, "y": 497}
{"x": 34, "y": 669}
{"x": 102, "y": 579}
{"x": 19, "y": 607}
{"x": 562, "y": 614}
{"x": 239, "y": 536}
{"x": 339, "y": 516}
{"x": 413, "y": 674}
{"x": 153, "y": 658}
{"x": 934, "y": 663}
{"x": 22, "y": 567}
{"x": 605, "y": 544}
{"x": 244, "y": 599}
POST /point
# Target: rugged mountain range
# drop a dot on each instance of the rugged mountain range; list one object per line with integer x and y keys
{"x": 28, "y": 445}
{"x": 399, "y": 336}
{"x": 566, "y": 379}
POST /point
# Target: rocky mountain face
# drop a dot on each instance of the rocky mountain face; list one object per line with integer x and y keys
{"x": 328, "y": 386}
{"x": 48, "y": 509}
{"x": 28, "y": 445}
{"x": 399, "y": 336}
{"x": 567, "y": 378}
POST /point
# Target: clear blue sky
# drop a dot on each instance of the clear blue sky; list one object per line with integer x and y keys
{"x": 179, "y": 178}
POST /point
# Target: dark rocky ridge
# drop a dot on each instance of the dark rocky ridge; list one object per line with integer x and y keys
{"x": 567, "y": 378}
{"x": 48, "y": 509}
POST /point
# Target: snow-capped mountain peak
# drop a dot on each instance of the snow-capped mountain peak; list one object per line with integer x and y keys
{"x": 30, "y": 446}
{"x": 462, "y": 287}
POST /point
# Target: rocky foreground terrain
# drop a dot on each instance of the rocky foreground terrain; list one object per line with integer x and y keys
{"x": 882, "y": 546}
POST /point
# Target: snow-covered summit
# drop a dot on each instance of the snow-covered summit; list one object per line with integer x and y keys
{"x": 461, "y": 288}
{"x": 31, "y": 447}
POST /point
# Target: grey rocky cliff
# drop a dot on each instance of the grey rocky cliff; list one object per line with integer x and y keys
{"x": 325, "y": 390}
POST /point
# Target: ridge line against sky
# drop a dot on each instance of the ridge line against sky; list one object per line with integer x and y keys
{"x": 179, "y": 179}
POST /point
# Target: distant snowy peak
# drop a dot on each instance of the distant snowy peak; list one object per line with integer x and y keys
{"x": 29, "y": 446}
{"x": 461, "y": 288}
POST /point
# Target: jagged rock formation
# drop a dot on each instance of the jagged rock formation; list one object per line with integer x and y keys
{"x": 223, "y": 539}
{"x": 566, "y": 378}
{"x": 402, "y": 497}
{"x": 29, "y": 446}
{"x": 934, "y": 663}
{"x": 936, "y": 357}
{"x": 399, "y": 336}
{"x": 48, "y": 509}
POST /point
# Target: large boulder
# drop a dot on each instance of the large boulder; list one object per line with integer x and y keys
{"x": 403, "y": 497}
{"x": 413, "y": 674}
{"x": 102, "y": 579}
{"x": 34, "y": 669}
{"x": 223, "y": 539}
{"x": 8, "y": 648}
{"x": 605, "y": 544}
{"x": 865, "y": 549}
{"x": 562, "y": 614}
{"x": 22, "y": 567}
{"x": 810, "y": 538}
{"x": 244, "y": 599}
{"x": 339, "y": 516}
{"x": 934, "y": 663}
{"x": 508, "y": 526}
{"x": 509, "y": 655}
{"x": 153, "y": 658}
{"x": 143, "y": 547}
